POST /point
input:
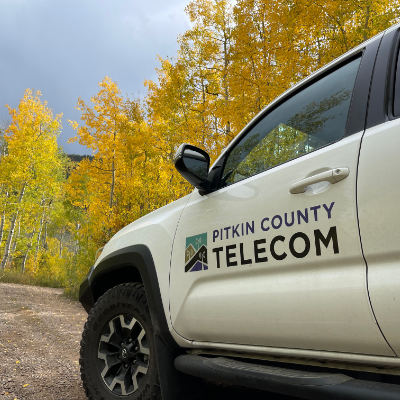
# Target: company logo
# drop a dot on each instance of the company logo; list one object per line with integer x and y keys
{"x": 196, "y": 253}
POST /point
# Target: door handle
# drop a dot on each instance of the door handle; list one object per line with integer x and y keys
{"x": 332, "y": 176}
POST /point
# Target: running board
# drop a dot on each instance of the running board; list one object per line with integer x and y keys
{"x": 292, "y": 382}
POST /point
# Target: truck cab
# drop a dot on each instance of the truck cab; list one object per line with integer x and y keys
{"x": 285, "y": 258}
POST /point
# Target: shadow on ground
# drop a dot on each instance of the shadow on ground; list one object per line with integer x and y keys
{"x": 40, "y": 332}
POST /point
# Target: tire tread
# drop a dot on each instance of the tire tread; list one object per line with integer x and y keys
{"x": 134, "y": 292}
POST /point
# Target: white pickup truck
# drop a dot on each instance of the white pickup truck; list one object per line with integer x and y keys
{"x": 281, "y": 270}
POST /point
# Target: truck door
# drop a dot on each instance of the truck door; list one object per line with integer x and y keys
{"x": 273, "y": 257}
{"x": 379, "y": 192}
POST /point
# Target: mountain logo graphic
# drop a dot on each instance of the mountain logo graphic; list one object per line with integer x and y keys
{"x": 196, "y": 253}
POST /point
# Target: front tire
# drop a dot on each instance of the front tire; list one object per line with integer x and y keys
{"x": 117, "y": 358}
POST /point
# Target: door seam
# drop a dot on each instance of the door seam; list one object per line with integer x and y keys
{"x": 357, "y": 209}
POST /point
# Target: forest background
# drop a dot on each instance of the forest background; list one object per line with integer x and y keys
{"x": 56, "y": 210}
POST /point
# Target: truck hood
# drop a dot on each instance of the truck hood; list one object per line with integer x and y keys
{"x": 164, "y": 218}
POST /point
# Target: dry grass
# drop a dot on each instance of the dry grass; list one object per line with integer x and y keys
{"x": 14, "y": 276}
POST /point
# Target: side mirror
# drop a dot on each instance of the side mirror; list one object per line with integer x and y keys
{"x": 193, "y": 164}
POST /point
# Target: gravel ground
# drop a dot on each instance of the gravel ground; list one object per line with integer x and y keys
{"x": 39, "y": 344}
{"x": 40, "y": 332}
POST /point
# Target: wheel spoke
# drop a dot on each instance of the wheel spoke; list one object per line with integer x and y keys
{"x": 125, "y": 325}
{"x": 124, "y": 352}
{"x": 141, "y": 368}
{"x": 113, "y": 383}
{"x": 117, "y": 381}
{"x": 113, "y": 337}
{"x": 142, "y": 347}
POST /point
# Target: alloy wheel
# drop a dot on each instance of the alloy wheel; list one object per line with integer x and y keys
{"x": 123, "y": 354}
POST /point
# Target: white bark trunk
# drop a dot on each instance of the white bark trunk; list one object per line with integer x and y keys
{"x": 3, "y": 218}
{"x": 27, "y": 253}
{"x": 39, "y": 236}
{"x": 14, "y": 243}
{"x": 11, "y": 231}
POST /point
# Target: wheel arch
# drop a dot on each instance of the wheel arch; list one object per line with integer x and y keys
{"x": 130, "y": 264}
{"x": 113, "y": 277}
{"x": 137, "y": 262}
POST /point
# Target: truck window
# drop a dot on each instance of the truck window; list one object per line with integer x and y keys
{"x": 313, "y": 118}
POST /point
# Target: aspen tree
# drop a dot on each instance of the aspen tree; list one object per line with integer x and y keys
{"x": 32, "y": 164}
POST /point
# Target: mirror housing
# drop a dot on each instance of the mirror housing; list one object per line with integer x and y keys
{"x": 193, "y": 164}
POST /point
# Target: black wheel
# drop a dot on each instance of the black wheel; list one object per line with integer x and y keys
{"x": 117, "y": 348}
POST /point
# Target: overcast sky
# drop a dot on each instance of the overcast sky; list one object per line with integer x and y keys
{"x": 65, "y": 47}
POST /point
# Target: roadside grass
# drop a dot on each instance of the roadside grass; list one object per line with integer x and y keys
{"x": 72, "y": 292}
{"x": 11, "y": 275}
{"x": 14, "y": 276}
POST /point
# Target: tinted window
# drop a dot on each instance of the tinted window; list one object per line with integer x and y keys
{"x": 309, "y": 120}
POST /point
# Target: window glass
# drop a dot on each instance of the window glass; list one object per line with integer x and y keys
{"x": 309, "y": 120}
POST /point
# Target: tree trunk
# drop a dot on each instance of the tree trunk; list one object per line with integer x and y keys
{"x": 11, "y": 230}
{"x": 225, "y": 81}
{"x": 27, "y": 253}
{"x": 39, "y": 236}
{"x": 203, "y": 122}
{"x": 24, "y": 261}
{"x": 366, "y": 22}
{"x": 61, "y": 243}
{"x": 76, "y": 242}
{"x": 3, "y": 218}
{"x": 14, "y": 244}
{"x": 44, "y": 241}
{"x": 112, "y": 183}
{"x": 111, "y": 203}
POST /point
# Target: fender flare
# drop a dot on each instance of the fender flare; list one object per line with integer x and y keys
{"x": 136, "y": 257}
{"x": 139, "y": 258}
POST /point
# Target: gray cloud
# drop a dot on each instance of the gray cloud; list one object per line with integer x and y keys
{"x": 65, "y": 47}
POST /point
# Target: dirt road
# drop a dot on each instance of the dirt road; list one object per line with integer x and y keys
{"x": 39, "y": 344}
{"x": 40, "y": 332}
